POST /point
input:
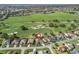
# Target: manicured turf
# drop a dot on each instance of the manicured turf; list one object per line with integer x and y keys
{"x": 40, "y": 17}
{"x": 14, "y": 23}
{"x": 28, "y": 51}
{"x": 10, "y": 51}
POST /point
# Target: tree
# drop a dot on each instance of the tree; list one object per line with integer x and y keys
{"x": 24, "y": 28}
{"x": 52, "y": 33}
{"x": 68, "y": 20}
{"x": 56, "y": 25}
{"x": 52, "y": 12}
{"x": 51, "y": 25}
{"x": 33, "y": 21}
{"x": 73, "y": 25}
{"x": 70, "y": 28}
{"x": 72, "y": 12}
{"x": 5, "y": 35}
{"x": 3, "y": 24}
{"x": 43, "y": 20}
{"x": 56, "y": 20}
{"x": 62, "y": 25}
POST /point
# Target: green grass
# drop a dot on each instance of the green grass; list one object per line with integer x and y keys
{"x": 43, "y": 49}
{"x": 40, "y": 17}
{"x": 28, "y": 51}
{"x": 17, "y": 21}
{"x": 6, "y": 51}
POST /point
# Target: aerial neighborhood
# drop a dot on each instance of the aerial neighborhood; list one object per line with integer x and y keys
{"x": 39, "y": 29}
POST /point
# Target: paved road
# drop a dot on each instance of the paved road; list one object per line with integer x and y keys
{"x": 25, "y": 48}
